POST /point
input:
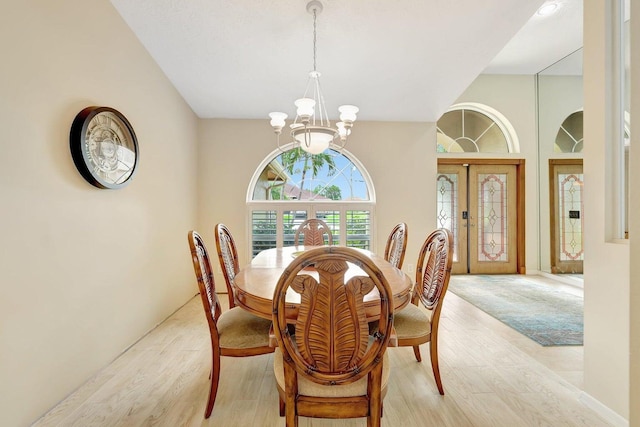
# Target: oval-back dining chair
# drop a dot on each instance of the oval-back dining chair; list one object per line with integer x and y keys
{"x": 235, "y": 332}
{"x": 327, "y": 365}
{"x": 396, "y": 245}
{"x": 418, "y": 322}
{"x": 313, "y": 232}
{"x": 228, "y": 258}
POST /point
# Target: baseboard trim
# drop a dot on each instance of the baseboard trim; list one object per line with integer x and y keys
{"x": 605, "y": 412}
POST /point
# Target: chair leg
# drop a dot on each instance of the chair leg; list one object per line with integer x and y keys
{"x": 291, "y": 418}
{"x": 281, "y": 404}
{"x": 433, "y": 350}
{"x": 290, "y": 394}
{"x": 416, "y": 351}
{"x": 375, "y": 414}
{"x": 215, "y": 377}
{"x": 374, "y": 391}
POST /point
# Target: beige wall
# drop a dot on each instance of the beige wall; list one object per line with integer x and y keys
{"x": 84, "y": 272}
{"x": 400, "y": 157}
{"x": 606, "y": 265}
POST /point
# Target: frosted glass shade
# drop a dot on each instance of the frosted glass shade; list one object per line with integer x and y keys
{"x": 277, "y": 120}
{"x": 348, "y": 113}
{"x": 305, "y": 107}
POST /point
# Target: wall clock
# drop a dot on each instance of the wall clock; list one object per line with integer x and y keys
{"x": 104, "y": 147}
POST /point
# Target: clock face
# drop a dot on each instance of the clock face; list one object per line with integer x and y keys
{"x": 104, "y": 147}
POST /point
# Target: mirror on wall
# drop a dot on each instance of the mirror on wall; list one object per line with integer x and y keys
{"x": 560, "y": 144}
{"x": 561, "y": 216}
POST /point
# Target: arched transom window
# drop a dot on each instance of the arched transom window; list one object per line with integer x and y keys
{"x": 569, "y": 138}
{"x": 475, "y": 128}
{"x": 291, "y": 186}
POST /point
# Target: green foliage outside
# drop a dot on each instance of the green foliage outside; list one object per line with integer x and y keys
{"x": 311, "y": 163}
{"x": 332, "y": 192}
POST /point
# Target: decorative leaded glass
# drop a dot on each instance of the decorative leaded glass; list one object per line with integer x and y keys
{"x": 492, "y": 218}
{"x": 447, "y": 206}
{"x": 571, "y": 220}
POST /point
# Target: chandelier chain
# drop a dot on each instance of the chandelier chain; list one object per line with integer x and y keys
{"x": 314, "y": 39}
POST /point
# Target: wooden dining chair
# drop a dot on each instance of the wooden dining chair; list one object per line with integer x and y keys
{"x": 236, "y": 332}
{"x": 327, "y": 365}
{"x": 397, "y": 245}
{"x": 417, "y": 323}
{"x": 313, "y": 232}
{"x": 228, "y": 258}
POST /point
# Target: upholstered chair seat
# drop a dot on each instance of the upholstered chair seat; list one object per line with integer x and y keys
{"x": 413, "y": 321}
{"x": 237, "y": 328}
{"x": 309, "y": 388}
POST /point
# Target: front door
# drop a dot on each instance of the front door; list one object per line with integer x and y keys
{"x": 479, "y": 204}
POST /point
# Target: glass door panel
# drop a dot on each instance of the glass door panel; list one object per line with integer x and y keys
{"x": 451, "y": 208}
{"x": 492, "y": 219}
{"x": 567, "y": 216}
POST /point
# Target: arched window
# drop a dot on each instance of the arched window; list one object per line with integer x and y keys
{"x": 475, "y": 128}
{"x": 291, "y": 186}
{"x": 569, "y": 138}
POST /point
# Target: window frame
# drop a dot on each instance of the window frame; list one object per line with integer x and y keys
{"x": 500, "y": 120}
{"x": 311, "y": 206}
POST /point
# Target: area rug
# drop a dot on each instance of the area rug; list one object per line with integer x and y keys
{"x": 547, "y": 315}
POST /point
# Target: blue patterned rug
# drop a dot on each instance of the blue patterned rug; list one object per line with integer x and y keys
{"x": 547, "y": 315}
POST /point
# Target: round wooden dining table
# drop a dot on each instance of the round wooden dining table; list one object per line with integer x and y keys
{"x": 255, "y": 283}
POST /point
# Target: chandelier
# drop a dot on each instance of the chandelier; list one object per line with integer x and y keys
{"x": 311, "y": 129}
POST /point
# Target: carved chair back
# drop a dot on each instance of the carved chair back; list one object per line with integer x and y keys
{"x": 206, "y": 283}
{"x": 433, "y": 271}
{"x": 313, "y": 231}
{"x": 228, "y": 258}
{"x": 397, "y": 245}
{"x": 330, "y": 342}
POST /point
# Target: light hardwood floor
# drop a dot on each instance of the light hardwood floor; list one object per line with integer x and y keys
{"x": 492, "y": 376}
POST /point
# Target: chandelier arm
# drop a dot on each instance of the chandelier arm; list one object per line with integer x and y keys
{"x": 278, "y": 142}
{"x": 340, "y": 146}
{"x": 307, "y": 137}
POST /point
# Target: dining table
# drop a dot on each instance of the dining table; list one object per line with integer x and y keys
{"x": 256, "y": 283}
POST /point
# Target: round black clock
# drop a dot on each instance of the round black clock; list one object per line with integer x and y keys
{"x": 104, "y": 147}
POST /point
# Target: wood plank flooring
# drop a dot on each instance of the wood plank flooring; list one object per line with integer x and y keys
{"x": 492, "y": 376}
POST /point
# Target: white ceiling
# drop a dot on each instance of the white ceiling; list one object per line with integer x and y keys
{"x": 402, "y": 60}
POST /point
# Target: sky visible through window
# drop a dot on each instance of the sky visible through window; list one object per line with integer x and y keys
{"x": 345, "y": 176}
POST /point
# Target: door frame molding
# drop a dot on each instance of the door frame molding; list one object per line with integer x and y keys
{"x": 520, "y": 198}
